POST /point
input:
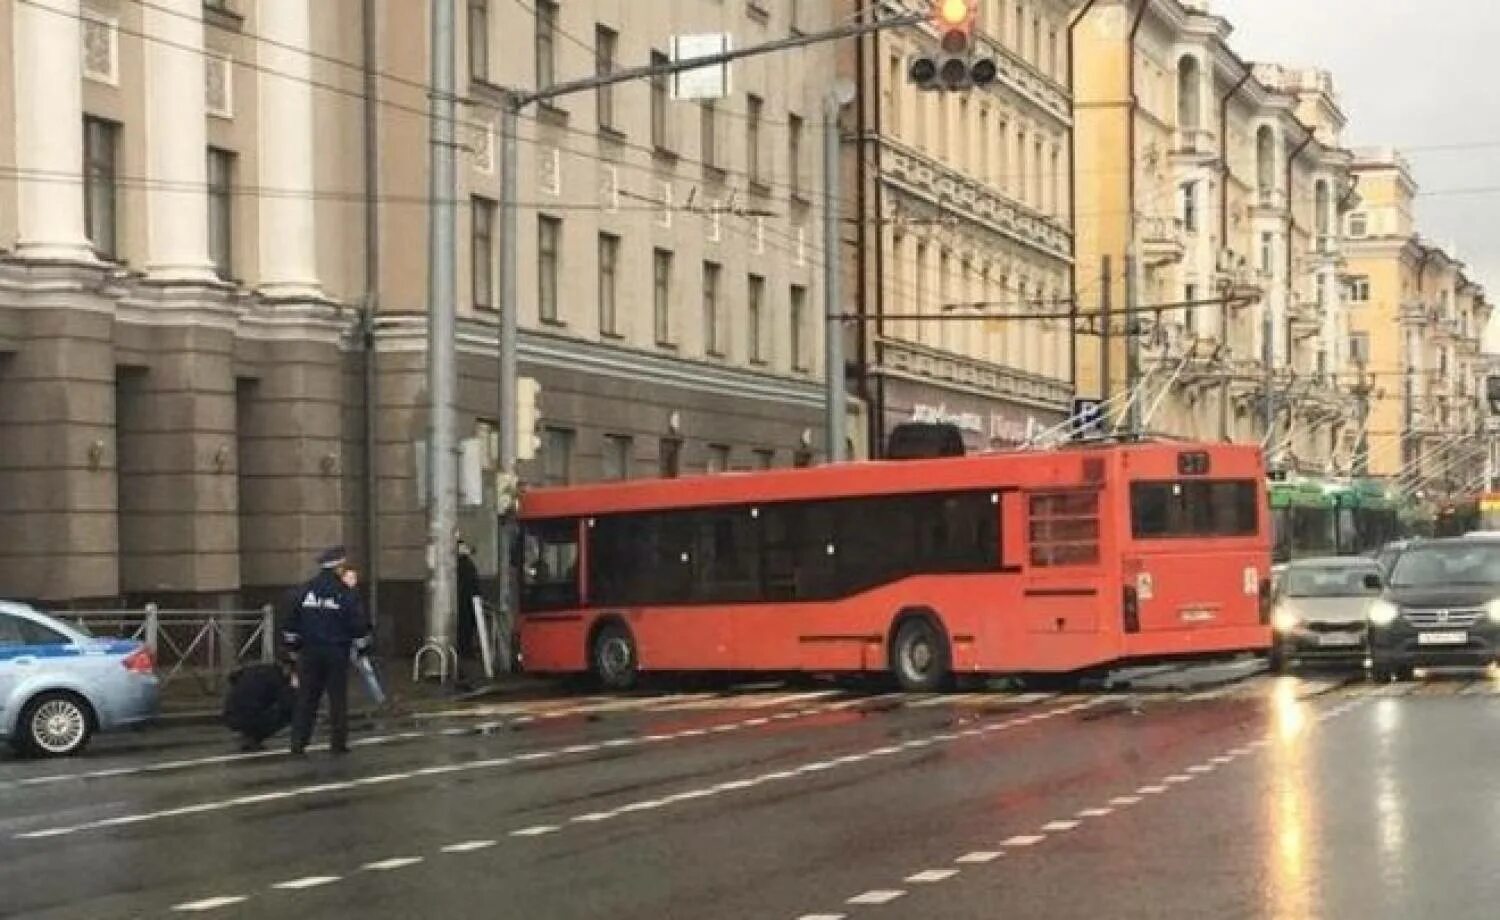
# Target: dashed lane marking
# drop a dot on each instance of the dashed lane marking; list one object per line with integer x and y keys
{"x": 1095, "y": 812}
{"x": 468, "y": 846}
{"x": 389, "y": 865}
{"x": 1125, "y": 800}
{"x": 1053, "y": 827}
{"x": 978, "y": 856}
{"x": 928, "y": 876}
{"x": 1023, "y": 840}
{"x": 879, "y": 896}
{"x": 211, "y": 903}
{"x": 311, "y": 881}
{"x": 536, "y": 831}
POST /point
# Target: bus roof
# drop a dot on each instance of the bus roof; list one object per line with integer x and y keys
{"x": 1025, "y": 469}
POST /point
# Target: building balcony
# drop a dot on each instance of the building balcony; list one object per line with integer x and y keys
{"x": 1195, "y": 142}
{"x": 1413, "y": 313}
{"x": 1163, "y": 240}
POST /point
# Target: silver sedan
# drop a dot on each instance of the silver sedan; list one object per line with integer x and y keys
{"x": 1319, "y": 610}
{"x": 59, "y": 685}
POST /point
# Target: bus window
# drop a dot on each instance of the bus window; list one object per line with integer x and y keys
{"x": 1064, "y": 528}
{"x": 549, "y": 566}
{"x": 1162, "y": 510}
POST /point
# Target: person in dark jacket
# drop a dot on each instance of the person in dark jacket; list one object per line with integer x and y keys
{"x": 467, "y": 643}
{"x": 259, "y": 703}
{"x": 327, "y": 620}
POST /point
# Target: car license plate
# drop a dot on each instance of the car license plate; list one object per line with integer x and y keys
{"x": 1443, "y": 638}
{"x": 1338, "y": 640}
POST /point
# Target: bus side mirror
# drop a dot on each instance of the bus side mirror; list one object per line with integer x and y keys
{"x": 1372, "y": 582}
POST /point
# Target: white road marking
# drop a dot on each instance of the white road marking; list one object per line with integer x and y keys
{"x": 879, "y": 896}
{"x": 535, "y": 831}
{"x": 1125, "y": 800}
{"x": 1200, "y": 768}
{"x": 593, "y": 817}
{"x": 928, "y": 876}
{"x": 1152, "y": 790}
{"x": 211, "y": 903}
{"x": 823, "y": 917}
{"x": 1023, "y": 840}
{"x": 1095, "y": 812}
{"x": 469, "y": 846}
{"x": 395, "y": 862}
{"x": 1179, "y": 778}
{"x": 1055, "y": 826}
{"x": 311, "y": 881}
{"x": 978, "y": 856}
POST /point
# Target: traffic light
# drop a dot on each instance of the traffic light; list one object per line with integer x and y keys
{"x": 955, "y": 65}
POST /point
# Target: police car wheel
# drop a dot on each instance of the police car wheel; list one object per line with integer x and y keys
{"x": 613, "y": 657}
{"x": 57, "y": 725}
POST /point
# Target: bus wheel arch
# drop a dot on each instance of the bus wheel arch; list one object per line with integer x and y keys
{"x": 612, "y": 653}
{"x": 919, "y": 651}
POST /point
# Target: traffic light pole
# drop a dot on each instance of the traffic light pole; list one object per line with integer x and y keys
{"x": 833, "y": 326}
{"x": 513, "y": 103}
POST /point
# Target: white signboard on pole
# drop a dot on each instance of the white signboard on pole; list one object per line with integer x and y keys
{"x": 701, "y": 82}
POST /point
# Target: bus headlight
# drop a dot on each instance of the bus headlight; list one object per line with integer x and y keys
{"x": 1285, "y": 619}
{"x": 1383, "y": 613}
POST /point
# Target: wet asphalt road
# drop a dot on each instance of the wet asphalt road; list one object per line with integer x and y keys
{"x": 1268, "y": 797}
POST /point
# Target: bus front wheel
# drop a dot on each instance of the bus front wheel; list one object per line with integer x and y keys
{"x": 919, "y": 656}
{"x": 612, "y": 657}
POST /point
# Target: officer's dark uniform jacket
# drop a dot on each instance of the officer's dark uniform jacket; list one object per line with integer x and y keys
{"x": 326, "y": 613}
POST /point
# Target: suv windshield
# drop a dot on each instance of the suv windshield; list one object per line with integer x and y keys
{"x": 1448, "y": 564}
{"x": 1328, "y": 581}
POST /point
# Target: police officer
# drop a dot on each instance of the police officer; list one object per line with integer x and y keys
{"x": 326, "y": 621}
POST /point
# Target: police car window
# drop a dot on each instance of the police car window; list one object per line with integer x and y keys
{"x": 33, "y": 633}
{"x": 10, "y": 631}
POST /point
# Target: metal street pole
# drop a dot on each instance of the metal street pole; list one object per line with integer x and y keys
{"x": 1106, "y": 336}
{"x": 833, "y": 326}
{"x": 1132, "y": 346}
{"x": 442, "y": 273}
{"x": 1268, "y": 357}
{"x": 505, "y": 572}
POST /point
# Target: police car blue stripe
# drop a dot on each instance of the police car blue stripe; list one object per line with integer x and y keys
{"x": 68, "y": 650}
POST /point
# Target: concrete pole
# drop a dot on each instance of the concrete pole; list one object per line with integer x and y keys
{"x": 505, "y": 572}
{"x": 1268, "y": 371}
{"x": 833, "y": 331}
{"x": 442, "y": 373}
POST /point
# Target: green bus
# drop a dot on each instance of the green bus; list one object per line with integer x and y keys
{"x": 1321, "y": 517}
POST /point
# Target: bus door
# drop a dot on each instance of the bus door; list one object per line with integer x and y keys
{"x": 1064, "y": 586}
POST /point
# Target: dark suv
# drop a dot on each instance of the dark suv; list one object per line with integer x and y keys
{"x": 1441, "y": 608}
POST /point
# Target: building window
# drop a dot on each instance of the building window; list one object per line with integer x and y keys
{"x": 1359, "y": 224}
{"x": 482, "y": 253}
{"x": 557, "y": 456}
{"x": 606, "y": 51}
{"x": 1359, "y": 348}
{"x": 1054, "y": 66}
{"x": 711, "y": 337}
{"x": 799, "y": 328}
{"x": 754, "y": 106}
{"x": 609, "y": 260}
{"x": 661, "y": 275}
{"x": 221, "y": 212}
{"x": 718, "y": 458}
{"x": 756, "y": 312}
{"x": 546, "y": 43}
{"x": 479, "y": 39}
{"x": 669, "y": 458}
{"x": 1190, "y": 207}
{"x": 549, "y": 230}
{"x": 794, "y": 153}
{"x": 101, "y": 148}
{"x": 1190, "y": 312}
{"x": 765, "y": 459}
{"x": 1359, "y": 289}
{"x": 708, "y": 134}
{"x": 619, "y": 457}
{"x": 660, "y": 98}
{"x": 1267, "y": 252}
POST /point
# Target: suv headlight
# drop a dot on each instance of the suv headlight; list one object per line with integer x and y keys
{"x": 1383, "y": 613}
{"x": 1493, "y": 609}
{"x": 1285, "y": 619}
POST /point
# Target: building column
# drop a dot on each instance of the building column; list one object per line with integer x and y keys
{"x": 48, "y": 71}
{"x": 176, "y": 143}
{"x": 288, "y": 243}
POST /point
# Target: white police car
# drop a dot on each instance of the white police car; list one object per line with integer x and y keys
{"x": 59, "y": 685}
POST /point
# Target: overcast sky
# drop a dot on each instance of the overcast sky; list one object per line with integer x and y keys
{"x": 1413, "y": 75}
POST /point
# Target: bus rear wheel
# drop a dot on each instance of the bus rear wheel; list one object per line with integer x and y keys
{"x": 612, "y": 657}
{"x": 919, "y": 657}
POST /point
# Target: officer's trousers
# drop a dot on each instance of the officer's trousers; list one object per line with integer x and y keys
{"x": 322, "y": 668}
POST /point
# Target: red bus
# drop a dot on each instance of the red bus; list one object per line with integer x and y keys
{"x": 1019, "y": 563}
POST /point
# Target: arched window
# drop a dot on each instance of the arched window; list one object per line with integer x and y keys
{"x": 1189, "y": 84}
{"x": 1265, "y": 162}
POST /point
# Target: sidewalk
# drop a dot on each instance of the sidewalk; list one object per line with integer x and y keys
{"x": 186, "y": 701}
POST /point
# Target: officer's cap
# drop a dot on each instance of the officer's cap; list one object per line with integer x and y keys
{"x": 331, "y": 558}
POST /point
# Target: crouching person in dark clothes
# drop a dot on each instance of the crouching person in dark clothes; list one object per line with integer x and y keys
{"x": 260, "y": 702}
{"x": 327, "y": 620}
